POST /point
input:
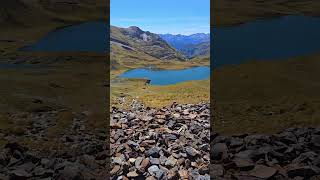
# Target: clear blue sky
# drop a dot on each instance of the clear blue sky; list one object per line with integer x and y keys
{"x": 162, "y": 16}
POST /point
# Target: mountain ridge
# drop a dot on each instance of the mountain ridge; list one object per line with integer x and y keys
{"x": 135, "y": 39}
{"x": 197, "y": 44}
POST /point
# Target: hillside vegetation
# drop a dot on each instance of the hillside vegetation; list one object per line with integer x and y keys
{"x": 30, "y": 13}
{"x": 231, "y": 12}
{"x": 148, "y": 45}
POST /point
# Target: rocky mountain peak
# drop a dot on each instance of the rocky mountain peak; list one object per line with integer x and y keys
{"x": 133, "y": 31}
{"x": 134, "y": 28}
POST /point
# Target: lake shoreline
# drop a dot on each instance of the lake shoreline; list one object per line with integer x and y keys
{"x": 266, "y": 39}
{"x": 153, "y": 76}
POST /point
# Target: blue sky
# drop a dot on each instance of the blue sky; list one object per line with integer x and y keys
{"x": 162, "y": 16}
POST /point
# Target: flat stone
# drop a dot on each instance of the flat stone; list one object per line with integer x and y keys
{"x": 316, "y": 140}
{"x": 288, "y": 137}
{"x": 171, "y": 161}
{"x": 132, "y": 160}
{"x": 153, "y": 152}
{"x": 115, "y": 170}
{"x": 216, "y": 170}
{"x": 155, "y": 171}
{"x": 263, "y": 172}
{"x": 183, "y": 174}
{"x": 154, "y": 161}
{"x": 119, "y": 160}
{"x": 132, "y": 174}
{"x": 191, "y": 151}
{"x": 19, "y": 173}
{"x": 138, "y": 162}
{"x": 144, "y": 164}
{"x": 176, "y": 115}
{"x": 219, "y": 151}
{"x": 244, "y": 164}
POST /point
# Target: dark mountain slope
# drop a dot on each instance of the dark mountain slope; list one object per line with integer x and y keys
{"x": 135, "y": 39}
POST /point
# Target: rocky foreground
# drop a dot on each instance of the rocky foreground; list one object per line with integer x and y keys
{"x": 291, "y": 154}
{"x": 168, "y": 143}
{"x": 83, "y": 155}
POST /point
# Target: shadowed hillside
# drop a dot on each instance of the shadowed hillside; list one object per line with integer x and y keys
{"x": 25, "y": 21}
{"x": 231, "y": 12}
{"x": 20, "y": 13}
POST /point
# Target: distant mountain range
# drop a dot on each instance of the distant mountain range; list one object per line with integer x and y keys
{"x": 190, "y": 45}
{"x": 132, "y": 45}
{"x": 194, "y": 50}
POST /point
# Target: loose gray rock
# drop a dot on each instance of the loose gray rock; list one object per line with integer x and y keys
{"x": 158, "y": 143}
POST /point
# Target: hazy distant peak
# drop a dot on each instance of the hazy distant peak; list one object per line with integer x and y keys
{"x": 190, "y": 45}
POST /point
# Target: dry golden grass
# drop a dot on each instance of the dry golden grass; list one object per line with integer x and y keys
{"x": 160, "y": 96}
{"x": 267, "y": 96}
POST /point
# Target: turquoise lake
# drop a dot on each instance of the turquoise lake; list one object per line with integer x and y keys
{"x": 85, "y": 37}
{"x": 261, "y": 40}
{"x": 167, "y": 77}
{"x": 265, "y": 39}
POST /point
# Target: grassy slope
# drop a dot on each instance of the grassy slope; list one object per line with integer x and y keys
{"x": 75, "y": 86}
{"x": 231, "y": 12}
{"x": 23, "y": 22}
{"x": 267, "y": 96}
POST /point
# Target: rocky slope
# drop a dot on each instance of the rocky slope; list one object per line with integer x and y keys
{"x": 51, "y": 131}
{"x": 134, "y": 40}
{"x": 291, "y": 154}
{"x": 196, "y": 50}
{"x": 81, "y": 153}
{"x": 168, "y": 143}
